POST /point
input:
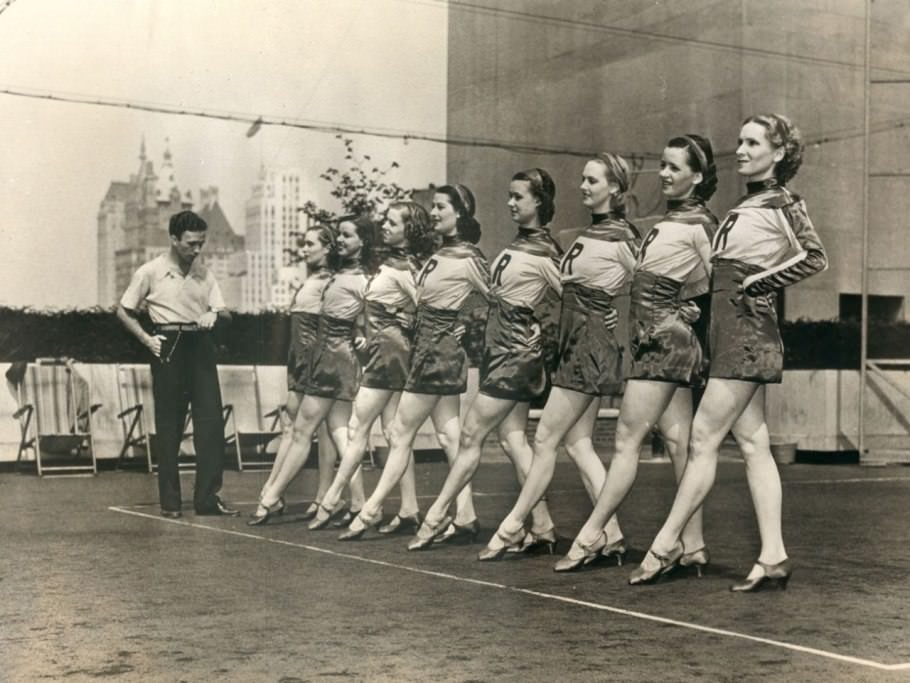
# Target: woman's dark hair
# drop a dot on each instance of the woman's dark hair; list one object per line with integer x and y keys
{"x": 369, "y": 238}
{"x": 782, "y": 132}
{"x": 326, "y": 237}
{"x": 700, "y": 157}
{"x": 616, "y": 170}
{"x": 417, "y": 229}
{"x": 462, "y": 200}
{"x": 544, "y": 190}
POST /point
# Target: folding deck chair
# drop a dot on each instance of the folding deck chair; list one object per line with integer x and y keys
{"x": 55, "y": 418}
{"x": 137, "y": 417}
{"x": 250, "y": 422}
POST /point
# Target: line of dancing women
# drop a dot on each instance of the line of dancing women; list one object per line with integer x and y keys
{"x": 403, "y": 315}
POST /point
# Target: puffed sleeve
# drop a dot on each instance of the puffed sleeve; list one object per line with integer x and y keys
{"x": 627, "y": 255}
{"x": 408, "y": 284}
{"x": 478, "y": 274}
{"x": 810, "y": 258}
{"x": 698, "y": 282}
{"x": 549, "y": 269}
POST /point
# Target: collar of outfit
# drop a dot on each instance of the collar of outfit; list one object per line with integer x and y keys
{"x": 607, "y": 217}
{"x": 759, "y": 185}
{"x": 685, "y": 203}
{"x": 533, "y": 232}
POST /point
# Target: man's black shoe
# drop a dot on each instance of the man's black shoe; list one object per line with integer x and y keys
{"x": 219, "y": 509}
{"x": 171, "y": 514}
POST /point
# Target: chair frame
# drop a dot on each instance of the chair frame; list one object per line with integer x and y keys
{"x": 30, "y": 430}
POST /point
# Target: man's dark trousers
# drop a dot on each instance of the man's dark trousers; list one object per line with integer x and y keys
{"x": 186, "y": 373}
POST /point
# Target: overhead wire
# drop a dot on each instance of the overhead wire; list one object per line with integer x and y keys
{"x": 316, "y": 126}
{"x": 611, "y": 29}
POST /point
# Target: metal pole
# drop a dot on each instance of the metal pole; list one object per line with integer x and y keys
{"x": 864, "y": 320}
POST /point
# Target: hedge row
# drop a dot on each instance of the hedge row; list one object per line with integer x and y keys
{"x": 95, "y": 335}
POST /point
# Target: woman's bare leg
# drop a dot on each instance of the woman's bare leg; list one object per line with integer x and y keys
{"x": 447, "y": 421}
{"x": 484, "y": 414}
{"x": 642, "y": 405}
{"x": 722, "y": 404}
{"x": 368, "y": 404}
{"x": 513, "y": 438}
{"x": 311, "y": 413}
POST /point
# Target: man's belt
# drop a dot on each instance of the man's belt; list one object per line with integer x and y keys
{"x": 178, "y": 327}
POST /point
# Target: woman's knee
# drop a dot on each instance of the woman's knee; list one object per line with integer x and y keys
{"x": 471, "y": 436}
{"x": 447, "y": 439}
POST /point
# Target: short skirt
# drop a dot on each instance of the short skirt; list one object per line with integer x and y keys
{"x": 388, "y": 350}
{"x": 334, "y": 370}
{"x": 589, "y": 357}
{"x": 664, "y": 347}
{"x": 439, "y": 364}
{"x": 303, "y": 334}
{"x": 513, "y": 364}
{"x": 744, "y": 344}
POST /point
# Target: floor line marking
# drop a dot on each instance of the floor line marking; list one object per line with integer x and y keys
{"x": 547, "y": 596}
{"x": 514, "y": 494}
{"x": 855, "y": 480}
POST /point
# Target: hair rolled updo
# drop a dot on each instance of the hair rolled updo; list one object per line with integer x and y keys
{"x": 782, "y": 133}
{"x": 544, "y": 190}
{"x": 462, "y": 200}
{"x": 700, "y": 157}
{"x": 617, "y": 172}
{"x": 418, "y": 232}
{"x": 326, "y": 237}
{"x": 369, "y": 237}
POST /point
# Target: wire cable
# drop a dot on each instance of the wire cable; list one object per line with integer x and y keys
{"x": 316, "y": 126}
{"x": 549, "y": 20}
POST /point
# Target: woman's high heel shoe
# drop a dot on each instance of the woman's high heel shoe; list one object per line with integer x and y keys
{"x": 655, "y": 565}
{"x": 400, "y": 524}
{"x": 534, "y": 541}
{"x": 697, "y": 559}
{"x": 427, "y": 533}
{"x": 580, "y": 554}
{"x": 772, "y": 575}
{"x": 360, "y": 524}
{"x": 616, "y": 550}
{"x": 324, "y": 515}
{"x": 507, "y": 539}
{"x": 311, "y": 511}
{"x": 264, "y": 513}
{"x": 457, "y": 531}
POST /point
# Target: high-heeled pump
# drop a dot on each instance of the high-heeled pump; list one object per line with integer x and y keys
{"x": 580, "y": 554}
{"x": 264, "y": 513}
{"x": 777, "y": 575}
{"x": 490, "y": 554}
{"x": 697, "y": 560}
{"x": 655, "y": 565}
{"x": 325, "y": 515}
{"x": 365, "y": 522}
{"x": 534, "y": 542}
{"x": 456, "y": 531}
{"x": 311, "y": 511}
{"x": 427, "y": 533}
{"x": 617, "y": 550}
{"x": 401, "y": 524}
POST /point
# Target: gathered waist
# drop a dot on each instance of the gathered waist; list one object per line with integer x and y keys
{"x": 728, "y": 274}
{"x": 335, "y": 327}
{"x": 586, "y": 299}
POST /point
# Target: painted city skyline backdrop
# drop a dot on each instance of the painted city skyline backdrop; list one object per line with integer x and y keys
{"x": 350, "y": 63}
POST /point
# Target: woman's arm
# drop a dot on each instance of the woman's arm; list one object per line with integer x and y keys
{"x": 811, "y": 258}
